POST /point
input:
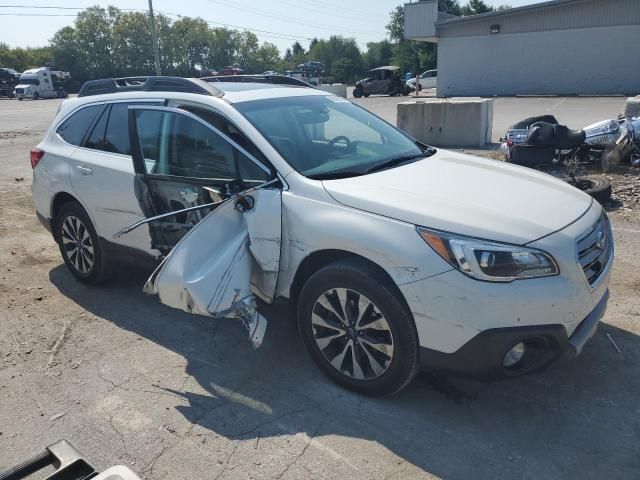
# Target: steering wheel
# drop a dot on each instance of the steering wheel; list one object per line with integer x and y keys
{"x": 335, "y": 140}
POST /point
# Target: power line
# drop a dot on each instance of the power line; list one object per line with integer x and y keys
{"x": 42, "y": 7}
{"x": 266, "y": 33}
{"x": 38, "y": 15}
{"x": 287, "y": 19}
{"x": 357, "y": 16}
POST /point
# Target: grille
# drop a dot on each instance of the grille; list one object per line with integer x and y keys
{"x": 595, "y": 249}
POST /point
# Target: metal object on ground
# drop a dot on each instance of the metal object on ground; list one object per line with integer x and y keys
{"x": 69, "y": 465}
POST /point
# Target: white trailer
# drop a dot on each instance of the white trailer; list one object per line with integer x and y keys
{"x": 41, "y": 83}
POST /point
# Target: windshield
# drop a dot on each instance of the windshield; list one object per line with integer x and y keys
{"x": 29, "y": 80}
{"x": 319, "y": 135}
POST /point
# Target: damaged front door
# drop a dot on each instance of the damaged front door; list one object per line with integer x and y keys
{"x": 226, "y": 241}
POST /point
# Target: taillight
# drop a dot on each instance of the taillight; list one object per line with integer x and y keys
{"x": 36, "y": 156}
{"x": 509, "y": 142}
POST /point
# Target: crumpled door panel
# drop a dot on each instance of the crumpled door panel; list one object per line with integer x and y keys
{"x": 209, "y": 272}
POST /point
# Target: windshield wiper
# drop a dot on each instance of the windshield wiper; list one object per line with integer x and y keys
{"x": 335, "y": 175}
{"x": 398, "y": 160}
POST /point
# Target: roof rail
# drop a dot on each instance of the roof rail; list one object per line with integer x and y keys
{"x": 242, "y": 78}
{"x": 145, "y": 84}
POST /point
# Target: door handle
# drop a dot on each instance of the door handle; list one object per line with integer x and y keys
{"x": 84, "y": 170}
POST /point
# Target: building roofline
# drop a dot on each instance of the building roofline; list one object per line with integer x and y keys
{"x": 511, "y": 11}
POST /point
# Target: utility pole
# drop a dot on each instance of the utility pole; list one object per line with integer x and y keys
{"x": 154, "y": 38}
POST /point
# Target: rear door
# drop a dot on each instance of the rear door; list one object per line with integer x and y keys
{"x": 228, "y": 247}
{"x": 102, "y": 174}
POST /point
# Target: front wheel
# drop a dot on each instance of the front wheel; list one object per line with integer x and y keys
{"x": 36, "y": 96}
{"x": 357, "y": 93}
{"x": 357, "y": 329}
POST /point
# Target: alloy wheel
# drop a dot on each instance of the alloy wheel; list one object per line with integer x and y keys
{"x": 77, "y": 244}
{"x": 352, "y": 334}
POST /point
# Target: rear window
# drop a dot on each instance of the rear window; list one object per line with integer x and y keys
{"x": 75, "y": 127}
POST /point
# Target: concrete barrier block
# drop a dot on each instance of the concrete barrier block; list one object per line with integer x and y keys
{"x": 451, "y": 122}
{"x": 338, "y": 89}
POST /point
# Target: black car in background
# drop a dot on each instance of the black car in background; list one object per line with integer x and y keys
{"x": 8, "y": 79}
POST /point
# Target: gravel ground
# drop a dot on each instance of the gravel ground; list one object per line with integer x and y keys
{"x": 127, "y": 380}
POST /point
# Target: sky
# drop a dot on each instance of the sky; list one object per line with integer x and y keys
{"x": 281, "y": 22}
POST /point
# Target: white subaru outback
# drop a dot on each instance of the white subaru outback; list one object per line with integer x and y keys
{"x": 394, "y": 255}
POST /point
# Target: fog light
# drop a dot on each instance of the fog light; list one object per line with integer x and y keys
{"x": 514, "y": 355}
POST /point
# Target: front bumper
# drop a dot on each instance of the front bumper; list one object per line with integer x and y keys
{"x": 481, "y": 357}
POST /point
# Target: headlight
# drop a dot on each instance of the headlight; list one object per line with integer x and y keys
{"x": 484, "y": 260}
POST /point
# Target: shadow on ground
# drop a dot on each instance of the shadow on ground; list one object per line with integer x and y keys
{"x": 577, "y": 420}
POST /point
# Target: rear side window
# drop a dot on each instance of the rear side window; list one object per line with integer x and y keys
{"x": 96, "y": 138}
{"x": 116, "y": 139}
{"x": 75, "y": 127}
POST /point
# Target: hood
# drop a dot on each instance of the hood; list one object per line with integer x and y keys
{"x": 467, "y": 195}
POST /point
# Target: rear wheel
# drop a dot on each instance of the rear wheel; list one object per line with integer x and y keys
{"x": 79, "y": 245}
{"x": 357, "y": 330}
{"x": 598, "y": 188}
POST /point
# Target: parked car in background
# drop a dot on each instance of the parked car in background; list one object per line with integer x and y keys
{"x": 394, "y": 255}
{"x": 428, "y": 79}
{"x": 314, "y": 68}
{"x": 208, "y": 72}
{"x": 232, "y": 70}
{"x": 381, "y": 81}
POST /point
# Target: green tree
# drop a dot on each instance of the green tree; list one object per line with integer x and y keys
{"x": 66, "y": 56}
{"x": 450, "y": 6}
{"x": 189, "y": 45}
{"x": 132, "y": 50}
{"x": 247, "y": 49}
{"x": 93, "y": 33}
{"x": 475, "y": 7}
{"x": 341, "y": 57}
{"x": 222, "y": 49}
{"x": 21, "y": 59}
{"x": 378, "y": 54}
{"x": 395, "y": 27}
{"x": 267, "y": 57}
{"x": 410, "y": 56}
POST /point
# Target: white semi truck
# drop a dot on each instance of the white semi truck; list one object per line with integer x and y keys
{"x": 41, "y": 83}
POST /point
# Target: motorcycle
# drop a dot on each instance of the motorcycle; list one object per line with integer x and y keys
{"x": 541, "y": 142}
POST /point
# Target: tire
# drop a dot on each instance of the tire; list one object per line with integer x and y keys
{"x": 36, "y": 96}
{"x": 72, "y": 229}
{"x": 382, "y": 370}
{"x": 598, "y": 188}
{"x": 357, "y": 93}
